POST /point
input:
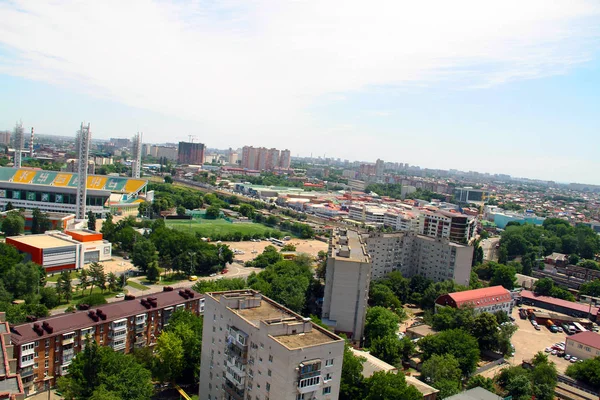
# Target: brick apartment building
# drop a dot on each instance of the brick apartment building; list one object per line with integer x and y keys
{"x": 44, "y": 349}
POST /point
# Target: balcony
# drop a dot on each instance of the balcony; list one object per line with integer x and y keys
{"x": 233, "y": 392}
{"x": 309, "y": 384}
{"x": 237, "y": 381}
{"x": 25, "y": 372}
{"x": 140, "y": 327}
{"x": 236, "y": 367}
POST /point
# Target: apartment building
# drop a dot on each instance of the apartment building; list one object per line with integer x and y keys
{"x": 435, "y": 258}
{"x": 44, "y": 349}
{"x": 469, "y": 195}
{"x": 347, "y": 284}
{"x": 254, "y": 348}
{"x": 190, "y": 153}
{"x": 583, "y": 345}
{"x": 444, "y": 224}
{"x": 263, "y": 159}
{"x": 11, "y": 386}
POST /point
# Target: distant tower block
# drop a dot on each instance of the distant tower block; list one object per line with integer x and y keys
{"x": 19, "y": 141}
{"x": 31, "y": 144}
{"x": 136, "y": 165}
{"x": 83, "y": 139}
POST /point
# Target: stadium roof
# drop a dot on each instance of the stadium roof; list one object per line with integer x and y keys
{"x": 28, "y": 176}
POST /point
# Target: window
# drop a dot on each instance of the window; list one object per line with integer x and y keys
{"x": 270, "y": 358}
{"x": 46, "y": 364}
{"x": 269, "y": 372}
{"x": 327, "y": 390}
{"x": 268, "y": 387}
{"x": 329, "y": 363}
{"x": 328, "y": 377}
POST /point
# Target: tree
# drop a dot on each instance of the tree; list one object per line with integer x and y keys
{"x": 49, "y": 297}
{"x": 181, "y": 210}
{"x": 381, "y": 295}
{"x": 456, "y": 342}
{"x": 188, "y": 328}
{"x": 97, "y": 276}
{"x": 83, "y": 280}
{"x": 351, "y": 383}
{"x": 504, "y": 275}
{"x": 144, "y": 253}
{"x": 153, "y": 273}
{"x": 113, "y": 374}
{"x": 589, "y": 264}
{"x": 591, "y": 288}
{"x": 388, "y": 385}
{"x": 587, "y": 371}
{"x": 168, "y": 179}
{"x": 169, "y": 352}
{"x": 13, "y": 224}
{"x": 109, "y": 228}
{"x": 91, "y": 221}
{"x": 247, "y": 210}
{"x": 288, "y": 247}
{"x": 386, "y": 348}
{"x": 39, "y": 222}
{"x": 544, "y": 286}
{"x": 407, "y": 348}
{"x": 9, "y": 206}
{"x": 380, "y": 322}
{"x": 442, "y": 368}
{"x": 113, "y": 282}
{"x": 213, "y": 212}
{"x": 64, "y": 285}
{"x": 481, "y": 381}
{"x": 485, "y": 329}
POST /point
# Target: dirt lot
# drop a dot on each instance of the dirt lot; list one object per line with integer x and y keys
{"x": 528, "y": 341}
{"x": 311, "y": 247}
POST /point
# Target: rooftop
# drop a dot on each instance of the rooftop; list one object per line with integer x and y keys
{"x": 587, "y": 338}
{"x": 526, "y": 294}
{"x": 259, "y": 309}
{"x": 42, "y": 241}
{"x": 348, "y": 245}
{"x": 477, "y": 393}
{"x": 70, "y": 322}
{"x": 498, "y": 293}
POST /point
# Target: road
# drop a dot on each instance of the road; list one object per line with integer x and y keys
{"x": 490, "y": 253}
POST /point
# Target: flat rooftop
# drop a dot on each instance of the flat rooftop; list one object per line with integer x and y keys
{"x": 42, "y": 241}
{"x": 349, "y": 240}
{"x": 83, "y": 232}
{"x": 269, "y": 310}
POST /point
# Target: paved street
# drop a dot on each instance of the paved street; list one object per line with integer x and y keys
{"x": 490, "y": 253}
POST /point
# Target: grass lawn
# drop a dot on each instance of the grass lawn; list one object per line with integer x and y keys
{"x": 171, "y": 278}
{"x": 80, "y": 295}
{"x": 208, "y": 227}
{"x": 136, "y": 285}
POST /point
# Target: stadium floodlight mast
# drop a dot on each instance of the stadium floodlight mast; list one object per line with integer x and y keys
{"x": 84, "y": 138}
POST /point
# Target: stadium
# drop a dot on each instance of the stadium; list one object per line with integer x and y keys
{"x": 56, "y": 191}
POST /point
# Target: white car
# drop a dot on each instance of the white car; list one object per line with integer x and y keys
{"x": 573, "y": 359}
{"x": 120, "y": 295}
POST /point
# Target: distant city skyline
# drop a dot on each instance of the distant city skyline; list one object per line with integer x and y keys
{"x": 501, "y": 87}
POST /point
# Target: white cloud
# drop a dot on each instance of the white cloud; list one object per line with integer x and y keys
{"x": 247, "y": 71}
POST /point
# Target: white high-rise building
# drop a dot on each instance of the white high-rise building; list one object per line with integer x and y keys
{"x": 435, "y": 258}
{"x": 347, "y": 284}
{"x": 254, "y": 348}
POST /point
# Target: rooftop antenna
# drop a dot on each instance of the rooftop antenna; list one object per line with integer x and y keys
{"x": 18, "y": 144}
{"x": 83, "y": 137}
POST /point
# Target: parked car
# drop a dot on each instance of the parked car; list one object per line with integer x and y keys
{"x": 193, "y": 278}
{"x": 224, "y": 271}
{"x": 120, "y": 295}
{"x": 537, "y": 328}
{"x": 567, "y": 357}
{"x": 554, "y": 352}
{"x": 547, "y": 349}
{"x": 573, "y": 359}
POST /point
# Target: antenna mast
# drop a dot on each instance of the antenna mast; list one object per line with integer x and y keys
{"x": 18, "y": 144}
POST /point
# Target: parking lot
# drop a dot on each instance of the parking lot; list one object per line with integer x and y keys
{"x": 528, "y": 342}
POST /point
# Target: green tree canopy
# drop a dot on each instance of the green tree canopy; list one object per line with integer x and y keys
{"x": 388, "y": 385}
{"x": 13, "y": 224}
{"x": 110, "y": 372}
{"x": 455, "y": 342}
{"x": 379, "y": 323}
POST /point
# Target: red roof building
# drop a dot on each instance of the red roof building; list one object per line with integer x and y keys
{"x": 491, "y": 299}
{"x": 562, "y": 306}
{"x": 583, "y": 345}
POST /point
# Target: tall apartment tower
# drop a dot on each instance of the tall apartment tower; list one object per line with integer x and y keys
{"x": 136, "y": 164}
{"x": 19, "y": 142}
{"x": 285, "y": 159}
{"x": 190, "y": 153}
{"x": 379, "y": 168}
{"x": 254, "y": 348}
{"x": 347, "y": 284}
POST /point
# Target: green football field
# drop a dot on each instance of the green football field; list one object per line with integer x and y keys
{"x": 208, "y": 227}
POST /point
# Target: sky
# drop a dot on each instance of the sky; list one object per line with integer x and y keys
{"x": 494, "y": 86}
